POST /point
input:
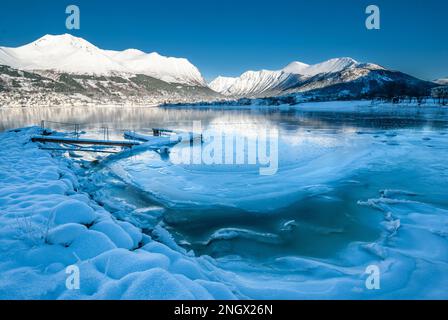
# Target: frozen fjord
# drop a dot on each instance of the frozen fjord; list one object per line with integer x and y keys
{"x": 372, "y": 195}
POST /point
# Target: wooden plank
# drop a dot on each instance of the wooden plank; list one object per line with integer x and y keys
{"x": 77, "y": 150}
{"x": 84, "y": 141}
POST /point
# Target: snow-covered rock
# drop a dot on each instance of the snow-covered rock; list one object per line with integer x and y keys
{"x": 65, "y": 234}
{"x": 73, "y": 211}
{"x": 118, "y": 236}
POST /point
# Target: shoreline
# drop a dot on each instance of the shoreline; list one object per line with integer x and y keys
{"x": 233, "y": 105}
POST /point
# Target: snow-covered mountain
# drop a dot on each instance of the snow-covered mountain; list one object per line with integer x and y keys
{"x": 66, "y": 53}
{"x": 266, "y": 82}
{"x": 332, "y": 79}
{"x": 19, "y": 88}
{"x": 59, "y": 68}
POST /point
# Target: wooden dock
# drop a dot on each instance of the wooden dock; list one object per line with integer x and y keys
{"x": 161, "y": 139}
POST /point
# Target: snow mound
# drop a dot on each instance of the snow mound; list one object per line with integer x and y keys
{"x": 73, "y": 211}
{"x": 64, "y": 235}
{"x": 117, "y": 234}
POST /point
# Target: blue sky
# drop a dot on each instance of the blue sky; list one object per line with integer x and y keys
{"x": 230, "y": 37}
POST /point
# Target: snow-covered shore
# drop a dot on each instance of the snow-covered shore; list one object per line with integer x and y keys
{"x": 48, "y": 224}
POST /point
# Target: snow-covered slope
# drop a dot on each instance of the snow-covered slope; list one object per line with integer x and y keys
{"x": 443, "y": 81}
{"x": 258, "y": 83}
{"x": 330, "y": 66}
{"x": 253, "y": 83}
{"x": 66, "y": 53}
{"x": 49, "y": 87}
{"x": 174, "y": 70}
{"x": 221, "y": 84}
{"x": 296, "y": 67}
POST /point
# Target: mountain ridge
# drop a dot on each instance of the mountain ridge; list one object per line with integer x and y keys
{"x": 263, "y": 81}
{"x": 299, "y": 77}
{"x": 67, "y": 53}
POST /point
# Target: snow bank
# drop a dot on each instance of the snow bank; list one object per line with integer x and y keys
{"x": 47, "y": 225}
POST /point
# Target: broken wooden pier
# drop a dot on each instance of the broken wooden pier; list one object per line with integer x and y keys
{"x": 160, "y": 139}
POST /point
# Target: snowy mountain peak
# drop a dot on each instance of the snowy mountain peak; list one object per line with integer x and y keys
{"x": 342, "y": 61}
{"x": 67, "y": 53}
{"x": 132, "y": 52}
{"x": 60, "y": 40}
{"x": 330, "y": 66}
